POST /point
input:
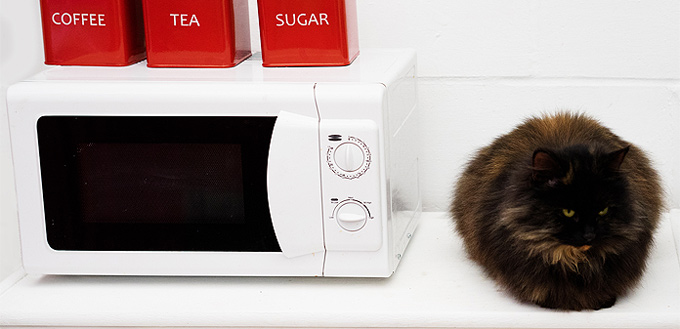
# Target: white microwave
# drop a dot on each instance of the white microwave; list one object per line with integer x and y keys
{"x": 241, "y": 171}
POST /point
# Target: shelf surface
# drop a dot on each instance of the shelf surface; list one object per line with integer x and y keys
{"x": 434, "y": 286}
{"x": 369, "y": 67}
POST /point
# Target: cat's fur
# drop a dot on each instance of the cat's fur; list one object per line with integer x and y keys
{"x": 511, "y": 205}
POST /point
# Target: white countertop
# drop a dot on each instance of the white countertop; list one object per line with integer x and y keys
{"x": 434, "y": 286}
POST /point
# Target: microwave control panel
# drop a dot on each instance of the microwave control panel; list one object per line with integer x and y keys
{"x": 351, "y": 188}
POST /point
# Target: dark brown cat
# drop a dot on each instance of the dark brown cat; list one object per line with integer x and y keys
{"x": 560, "y": 212}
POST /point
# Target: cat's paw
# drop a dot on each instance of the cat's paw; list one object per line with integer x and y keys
{"x": 577, "y": 306}
{"x": 606, "y": 304}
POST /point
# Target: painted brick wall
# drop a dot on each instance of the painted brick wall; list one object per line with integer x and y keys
{"x": 486, "y": 65}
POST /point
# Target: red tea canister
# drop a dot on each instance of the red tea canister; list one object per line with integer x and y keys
{"x": 93, "y": 32}
{"x": 198, "y": 33}
{"x": 308, "y": 32}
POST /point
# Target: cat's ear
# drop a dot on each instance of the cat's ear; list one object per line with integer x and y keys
{"x": 615, "y": 158}
{"x": 545, "y": 161}
{"x": 545, "y": 166}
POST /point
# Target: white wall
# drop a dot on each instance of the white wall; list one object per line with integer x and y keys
{"x": 484, "y": 66}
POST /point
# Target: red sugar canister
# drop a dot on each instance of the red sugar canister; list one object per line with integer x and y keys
{"x": 93, "y": 32}
{"x": 198, "y": 33}
{"x": 308, "y": 32}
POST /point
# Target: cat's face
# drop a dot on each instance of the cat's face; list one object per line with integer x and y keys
{"x": 582, "y": 193}
{"x": 578, "y": 201}
{"x": 583, "y": 212}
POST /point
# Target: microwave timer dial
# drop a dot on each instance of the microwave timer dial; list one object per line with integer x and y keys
{"x": 350, "y": 159}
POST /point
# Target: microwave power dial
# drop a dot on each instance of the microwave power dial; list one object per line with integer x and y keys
{"x": 351, "y": 215}
{"x": 349, "y": 159}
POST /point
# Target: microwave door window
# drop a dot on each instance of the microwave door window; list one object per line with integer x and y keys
{"x": 160, "y": 183}
{"x": 156, "y": 183}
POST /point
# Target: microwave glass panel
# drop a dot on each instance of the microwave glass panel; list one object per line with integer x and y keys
{"x": 181, "y": 183}
{"x": 156, "y": 183}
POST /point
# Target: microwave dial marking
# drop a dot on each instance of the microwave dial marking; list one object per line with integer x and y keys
{"x": 334, "y": 138}
{"x": 350, "y": 159}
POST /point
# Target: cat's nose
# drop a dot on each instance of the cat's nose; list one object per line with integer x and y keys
{"x": 589, "y": 234}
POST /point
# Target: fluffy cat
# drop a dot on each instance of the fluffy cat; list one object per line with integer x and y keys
{"x": 560, "y": 212}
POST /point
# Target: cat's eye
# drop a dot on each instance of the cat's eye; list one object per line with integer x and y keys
{"x": 603, "y": 211}
{"x": 569, "y": 213}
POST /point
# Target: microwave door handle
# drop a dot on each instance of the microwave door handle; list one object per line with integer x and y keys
{"x": 294, "y": 185}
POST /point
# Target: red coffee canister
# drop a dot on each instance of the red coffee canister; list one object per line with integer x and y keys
{"x": 308, "y": 32}
{"x": 93, "y": 32}
{"x": 198, "y": 33}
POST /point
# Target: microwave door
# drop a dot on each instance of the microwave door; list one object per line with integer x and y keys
{"x": 294, "y": 183}
{"x": 156, "y": 183}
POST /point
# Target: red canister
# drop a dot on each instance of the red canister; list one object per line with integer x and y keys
{"x": 198, "y": 33}
{"x": 93, "y": 32}
{"x": 308, "y": 32}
